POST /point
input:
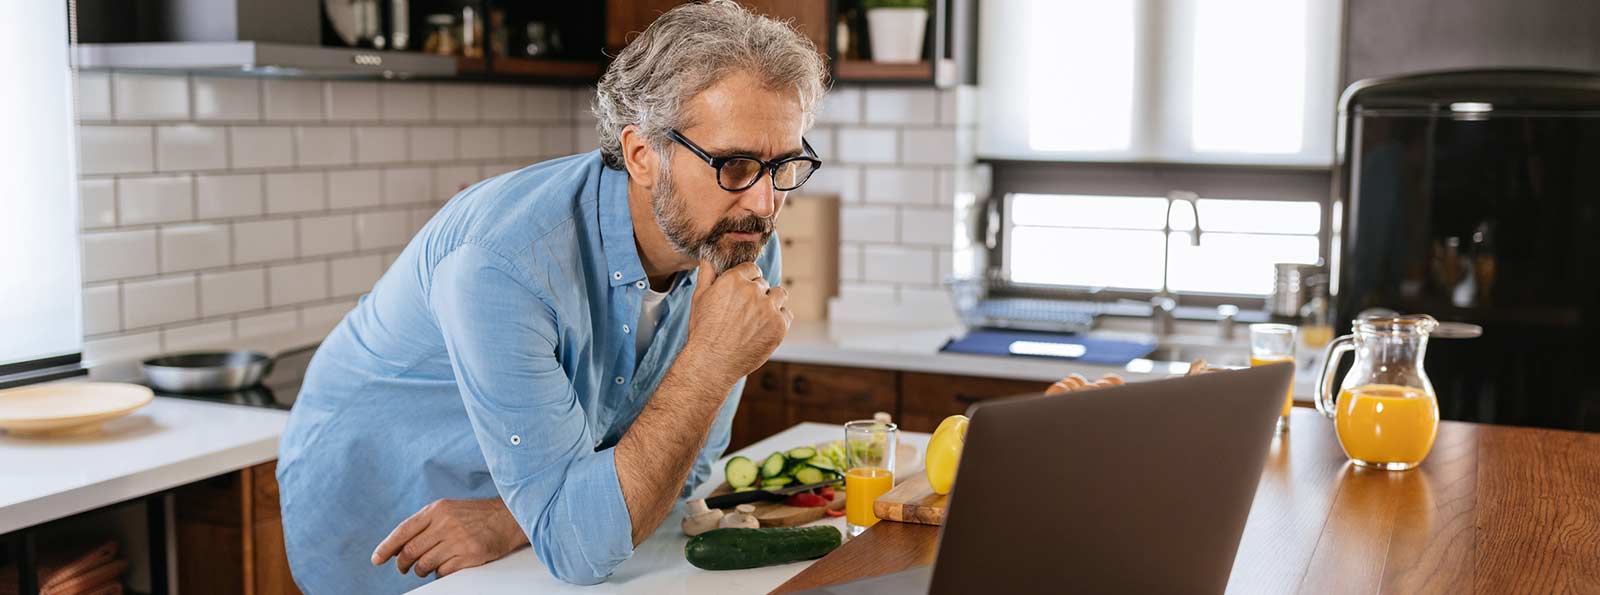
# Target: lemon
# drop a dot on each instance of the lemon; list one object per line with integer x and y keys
{"x": 944, "y": 452}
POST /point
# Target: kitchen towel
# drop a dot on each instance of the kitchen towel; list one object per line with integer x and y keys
{"x": 1106, "y": 352}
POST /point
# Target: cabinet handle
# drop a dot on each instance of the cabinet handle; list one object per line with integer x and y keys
{"x": 769, "y": 382}
{"x": 800, "y": 386}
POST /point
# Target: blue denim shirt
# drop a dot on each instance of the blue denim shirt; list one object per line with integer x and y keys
{"x": 493, "y": 358}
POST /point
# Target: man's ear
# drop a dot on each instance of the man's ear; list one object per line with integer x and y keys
{"x": 641, "y": 160}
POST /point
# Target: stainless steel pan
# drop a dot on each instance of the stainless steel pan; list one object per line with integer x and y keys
{"x": 207, "y": 371}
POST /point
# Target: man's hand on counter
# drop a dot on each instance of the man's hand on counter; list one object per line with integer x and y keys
{"x": 450, "y": 535}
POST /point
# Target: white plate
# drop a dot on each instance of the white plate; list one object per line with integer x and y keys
{"x": 68, "y": 408}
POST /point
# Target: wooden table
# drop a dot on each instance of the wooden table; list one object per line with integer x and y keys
{"x": 1493, "y": 509}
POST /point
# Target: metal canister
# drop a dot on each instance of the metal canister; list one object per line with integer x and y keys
{"x": 1289, "y": 288}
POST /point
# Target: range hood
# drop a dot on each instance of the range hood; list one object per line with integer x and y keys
{"x": 261, "y": 37}
{"x": 255, "y": 57}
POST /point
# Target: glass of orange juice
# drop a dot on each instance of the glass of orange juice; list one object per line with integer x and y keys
{"x": 1271, "y": 344}
{"x": 869, "y": 451}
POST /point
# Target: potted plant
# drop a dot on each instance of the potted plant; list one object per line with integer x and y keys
{"x": 896, "y": 28}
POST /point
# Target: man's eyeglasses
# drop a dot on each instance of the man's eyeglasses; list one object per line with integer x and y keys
{"x": 737, "y": 173}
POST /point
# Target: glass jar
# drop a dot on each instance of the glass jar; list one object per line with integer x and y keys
{"x": 1386, "y": 415}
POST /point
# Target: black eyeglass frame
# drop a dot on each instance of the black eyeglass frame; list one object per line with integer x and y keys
{"x": 768, "y": 168}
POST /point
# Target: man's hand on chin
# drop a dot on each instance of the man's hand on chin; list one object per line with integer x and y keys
{"x": 449, "y": 535}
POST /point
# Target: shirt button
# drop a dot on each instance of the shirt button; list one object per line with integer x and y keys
{"x": 618, "y": 380}
{"x": 515, "y": 440}
{"x": 639, "y": 284}
{"x": 626, "y": 329}
{"x": 617, "y": 275}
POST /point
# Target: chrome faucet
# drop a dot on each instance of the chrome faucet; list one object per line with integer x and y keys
{"x": 1162, "y": 305}
{"x": 1161, "y": 308}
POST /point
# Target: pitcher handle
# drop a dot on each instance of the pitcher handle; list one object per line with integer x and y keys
{"x": 1330, "y": 365}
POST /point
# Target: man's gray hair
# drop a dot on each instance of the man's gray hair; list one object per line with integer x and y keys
{"x": 688, "y": 49}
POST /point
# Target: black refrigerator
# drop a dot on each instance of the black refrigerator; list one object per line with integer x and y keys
{"x": 1474, "y": 196}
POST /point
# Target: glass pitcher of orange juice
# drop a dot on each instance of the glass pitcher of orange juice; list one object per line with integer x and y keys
{"x": 1386, "y": 415}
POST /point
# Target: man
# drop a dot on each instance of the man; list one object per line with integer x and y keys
{"x": 556, "y": 357}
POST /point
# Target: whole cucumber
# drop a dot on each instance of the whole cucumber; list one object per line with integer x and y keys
{"x": 735, "y": 549}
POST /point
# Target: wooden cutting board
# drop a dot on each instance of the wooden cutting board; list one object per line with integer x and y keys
{"x": 778, "y": 514}
{"x": 913, "y": 501}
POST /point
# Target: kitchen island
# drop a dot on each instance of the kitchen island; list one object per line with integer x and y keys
{"x": 658, "y": 565}
{"x": 1493, "y": 509}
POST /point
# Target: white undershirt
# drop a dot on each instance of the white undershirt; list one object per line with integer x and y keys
{"x": 649, "y": 317}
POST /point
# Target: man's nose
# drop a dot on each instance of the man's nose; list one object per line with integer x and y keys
{"x": 760, "y": 199}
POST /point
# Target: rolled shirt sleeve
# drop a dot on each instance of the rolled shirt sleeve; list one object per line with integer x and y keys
{"x": 502, "y": 342}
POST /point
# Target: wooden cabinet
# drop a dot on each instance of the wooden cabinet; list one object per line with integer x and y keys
{"x": 809, "y": 232}
{"x": 836, "y": 394}
{"x": 926, "y": 399}
{"x": 625, "y": 19}
{"x": 761, "y": 407}
{"x": 230, "y": 535}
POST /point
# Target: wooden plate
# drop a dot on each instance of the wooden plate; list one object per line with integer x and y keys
{"x": 68, "y": 408}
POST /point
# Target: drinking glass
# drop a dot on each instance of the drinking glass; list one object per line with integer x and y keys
{"x": 869, "y": 451}
{"x": 1271, "y": 344}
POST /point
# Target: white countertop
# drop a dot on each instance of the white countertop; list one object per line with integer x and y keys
{"x": 657, "y": 565}
{"x": 165, "y": 444}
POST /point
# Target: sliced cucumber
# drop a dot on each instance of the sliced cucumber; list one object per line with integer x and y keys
{"x": 820, "y": 462}
{"x": 745, "y": 489}
{"x": 802, "y": 453}
{"x": 776, "y": 482}
{"x": 773, "y": 466}
{"x": 741, "y": 472}
{"x": 808, "y": 475}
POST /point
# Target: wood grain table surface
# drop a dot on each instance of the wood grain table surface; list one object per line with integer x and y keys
{"x": 1493, "y": 509}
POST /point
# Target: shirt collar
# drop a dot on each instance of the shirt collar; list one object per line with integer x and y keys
{"x": 616, "y": 229}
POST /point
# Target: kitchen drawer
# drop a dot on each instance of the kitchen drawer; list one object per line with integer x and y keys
{"x": 835, "y": 394}
{"x": 808, "y": 298}
{"x": 926, "y": 399}
{"x": 809, "y": 258}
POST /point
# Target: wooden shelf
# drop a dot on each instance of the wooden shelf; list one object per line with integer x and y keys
{"x": 864, "y": 70}
{"x": 530, "y": 67}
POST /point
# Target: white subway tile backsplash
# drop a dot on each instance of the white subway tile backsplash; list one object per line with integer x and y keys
{"x": 99, "y": 203}
{"x": 380, "y": 144}
{"x": 902, "y": 106}
{"x": 232, "y": 292}
{"x": 544, "y": 103}
{"x": 419, "y": 217}
{"x": 325, "y": 316}
{"x": 868, "y": 145}
{"x": 295, "y": 192}
{"x": 585, "y": 138}
{"x": 149, "y": 96}
{"x": 116, "y": 149}
{"x": 382, "y": 229}
{"x": 821, "y": 139}
{"x": 408, "y": 185}
{"x": 207, "y": 335}
{"x": 897, "y": 264}
{"x": 959, "y": 106}
{"x": 297, "y": 283}
{"x": 405, "y": 102}
{"x": 291, "y": 100}
{"x": 124, "y": 347}
{"x": 433, "y": 143}
{"x": 932, "y": 146}
{"x": 261, "y": 241}
{"x": 500, "y": 104}
{"x": 849, "y": 262}
{"x": 389, "y": 257}
{"x": 490, "y": 170}
{"x": 901, "y": 185}
{"x": 354, "y": 275}
{"x": 261, "y": 146}
{"x": 354, "y": 189}
{"x": 227, "y": 98}
{"x": 118, "y": 254}
{"x": 352, "y": 100}
{"x": 946, "y": 263}
{"x": 867, "y": 224}
{"x": 158, "y": 301}
{"x": 926, "y": 299}
{"x": 843, "y": 181}
{"x": 479, "y": 142}
{"x": 841, "y": 106}
{"x": 454, "y": 102}
{"x": 220, "y": 196}
{"x": 155, "y": 199}
{"x": 580, "y": 104}
{"x": 186, "y": 147}
{"x": 102, "y": 309}
{"x": 324, "y": 145}
{"x": 447, "y": 181}
{"x": 94, "y": 96}
{"x": 522, "y": 141}
{"x": 190, "y": 247}
{"x": 558, "y": 140}
{"x": 931, "y": 226}
{"x": 264, "y": 325}
{"x": 327, "y": 235}
{"x": 873, "y": 294}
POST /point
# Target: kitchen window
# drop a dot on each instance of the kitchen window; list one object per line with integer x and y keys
{"x": 1097, "y": 115}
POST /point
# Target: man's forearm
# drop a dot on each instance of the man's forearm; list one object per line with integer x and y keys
{"x": 653, "y": 459}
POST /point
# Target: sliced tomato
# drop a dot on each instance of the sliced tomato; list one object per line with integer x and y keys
{"x": 835, "y": 513}
{"x": 826, "y": 492}
{"x": 806, "y": 500}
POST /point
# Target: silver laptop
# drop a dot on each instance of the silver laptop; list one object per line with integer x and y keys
{"x": 1142, "y": 488}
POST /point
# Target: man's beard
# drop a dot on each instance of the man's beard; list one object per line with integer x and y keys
{"x": 672, "y": 215}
